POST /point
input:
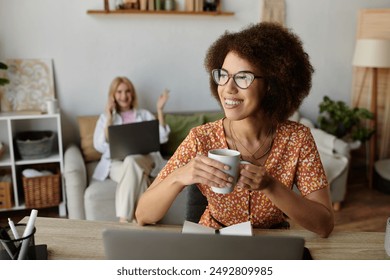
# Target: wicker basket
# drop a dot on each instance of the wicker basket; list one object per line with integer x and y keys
{"x": 6, "y": 198}
{"x": 42, "y": 191}
{"x": 35, "y": 144}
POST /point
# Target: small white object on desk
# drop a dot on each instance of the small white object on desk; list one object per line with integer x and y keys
{"x": 29, "y": 229}
{"x": 243, "y": 229}
{"x": 387, "y": 237}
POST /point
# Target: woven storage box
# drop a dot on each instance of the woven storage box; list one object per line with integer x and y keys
{"x": 42, "y": 191}
{"x": 6, "y": 200}
{"x": 34, "y": 144}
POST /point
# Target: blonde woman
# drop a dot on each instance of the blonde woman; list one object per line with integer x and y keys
{"x": 133, "y": 173}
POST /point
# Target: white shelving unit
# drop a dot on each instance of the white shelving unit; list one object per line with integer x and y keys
{"x": 14, "y": 122}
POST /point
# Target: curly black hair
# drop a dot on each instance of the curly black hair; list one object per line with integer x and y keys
{"x": 278, "y": 53}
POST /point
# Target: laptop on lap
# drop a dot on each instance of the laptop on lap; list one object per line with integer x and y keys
{"x": 133, "y": 244}
{"x": 133, "y": 138}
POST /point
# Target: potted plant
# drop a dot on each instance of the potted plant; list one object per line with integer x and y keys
{"x": 337, "y": 118}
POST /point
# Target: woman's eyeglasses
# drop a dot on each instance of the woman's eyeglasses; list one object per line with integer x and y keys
{"x": 242, "y": 79}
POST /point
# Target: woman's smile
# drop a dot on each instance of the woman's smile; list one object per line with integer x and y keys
{"x": 230, "y": 103}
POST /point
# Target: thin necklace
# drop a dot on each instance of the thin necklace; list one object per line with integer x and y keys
{"x": 233, "y": 134}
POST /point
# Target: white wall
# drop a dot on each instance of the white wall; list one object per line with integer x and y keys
{"x": 158, "y": 51}
{"x": 328, "y": 30}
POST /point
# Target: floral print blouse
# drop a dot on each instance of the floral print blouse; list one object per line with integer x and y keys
{"x": 293, "y": 159}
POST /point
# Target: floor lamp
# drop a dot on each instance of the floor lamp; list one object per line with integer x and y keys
{"x": 372, "y": 54}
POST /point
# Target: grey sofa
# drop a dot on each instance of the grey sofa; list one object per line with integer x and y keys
{"x": 95, "y": 200}
{"x": 91, "y": 199}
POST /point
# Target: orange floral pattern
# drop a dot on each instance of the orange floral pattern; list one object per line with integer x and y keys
{"x": 293, "y": 159}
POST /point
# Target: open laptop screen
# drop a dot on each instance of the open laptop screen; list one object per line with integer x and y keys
{"x": 133, "y": 138}
{"x": 132, "y": 244}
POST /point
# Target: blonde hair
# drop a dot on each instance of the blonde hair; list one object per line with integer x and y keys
{"x": 114, "y": 86}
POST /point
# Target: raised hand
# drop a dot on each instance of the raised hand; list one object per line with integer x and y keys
{"x": 162, "y": 99}
{"x": 110, "y": 107}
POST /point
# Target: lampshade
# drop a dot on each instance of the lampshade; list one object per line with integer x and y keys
{"x": 372, "y": 53}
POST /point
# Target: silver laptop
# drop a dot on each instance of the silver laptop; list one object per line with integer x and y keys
{"x": 133, "y": 138}
{"x": 133, "y": 244}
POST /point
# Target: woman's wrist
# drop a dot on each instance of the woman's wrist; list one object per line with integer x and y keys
{"x": 269, "y": 184}
{"x": 108, "y": 115}
{"x": 173, "y": 180}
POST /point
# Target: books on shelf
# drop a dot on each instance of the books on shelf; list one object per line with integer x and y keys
{"x": 198, "y": 5}
{"x": 243, "y": 229}
{"x": 189, "y": 5}
{"x": 194, "y": 5}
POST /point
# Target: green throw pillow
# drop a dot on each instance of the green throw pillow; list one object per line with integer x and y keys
{"x": 180, "y": 127}
{"x": 213, "y": 116}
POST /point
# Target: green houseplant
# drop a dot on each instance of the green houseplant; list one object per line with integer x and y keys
{"x": 337, "y": 118}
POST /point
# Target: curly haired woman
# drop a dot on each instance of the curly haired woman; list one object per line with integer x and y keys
{"x": 260, "y": 76}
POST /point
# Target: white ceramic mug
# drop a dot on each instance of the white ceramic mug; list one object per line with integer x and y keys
{"x": 51, "y": 106}
{"x": 228, "y": 157}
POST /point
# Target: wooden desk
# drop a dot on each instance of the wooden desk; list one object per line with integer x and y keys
{"x": 79, "y": 239}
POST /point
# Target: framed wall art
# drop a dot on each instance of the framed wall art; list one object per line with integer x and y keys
{"x": 31, "y": 84}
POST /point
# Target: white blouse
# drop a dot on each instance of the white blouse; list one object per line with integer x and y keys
{"x": 100, "y": 144}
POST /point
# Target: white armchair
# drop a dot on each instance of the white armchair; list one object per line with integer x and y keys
{"x": 335, "y": 156}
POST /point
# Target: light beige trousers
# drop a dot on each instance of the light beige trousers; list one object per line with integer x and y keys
{"x": 132, "y": 176}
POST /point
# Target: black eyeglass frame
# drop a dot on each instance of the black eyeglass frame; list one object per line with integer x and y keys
{"x": 233, "y": 76}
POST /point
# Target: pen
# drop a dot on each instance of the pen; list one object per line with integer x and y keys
{"x": 29, "y": 229}
{"x": 13, "y": 229}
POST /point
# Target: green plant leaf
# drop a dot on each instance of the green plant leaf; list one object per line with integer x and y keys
{"x": 337, "y": 118}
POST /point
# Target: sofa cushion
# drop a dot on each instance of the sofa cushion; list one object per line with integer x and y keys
{"x": 213, "y": 116}
{"x": 180, "y": 126}
{"x": 87, "y": 127}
